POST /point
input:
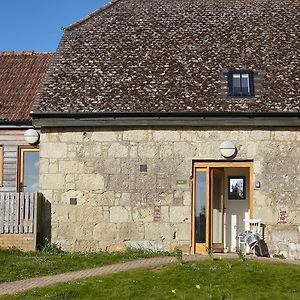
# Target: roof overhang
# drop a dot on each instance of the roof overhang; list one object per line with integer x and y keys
{"x": 15, "y": 124}
{"x": 167, "y": 119}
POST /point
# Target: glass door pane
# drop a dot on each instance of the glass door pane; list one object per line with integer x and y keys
{"x": 29, "y": 179}
{"x": 217, "y": 206}
{"x": 200, "y": 207}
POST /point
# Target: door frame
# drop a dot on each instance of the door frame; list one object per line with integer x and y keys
{"x": 216, "y": 164}
{"x": 20, "y": 165}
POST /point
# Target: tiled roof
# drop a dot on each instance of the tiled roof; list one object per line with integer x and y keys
{"x": 171, "y": 56}
{"x": 21, "y": 74}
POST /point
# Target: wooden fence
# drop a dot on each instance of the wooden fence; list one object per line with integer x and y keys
{"x": 17, "y": 212}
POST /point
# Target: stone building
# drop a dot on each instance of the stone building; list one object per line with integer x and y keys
{"x": 138, "y": 102}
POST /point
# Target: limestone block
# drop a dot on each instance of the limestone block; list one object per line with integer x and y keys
{"x": 44, "y": 166}
{"x": 152, "y": 231}
{"x": 84, "y": 231}
{"x": 119, "y": 247}
{"x": 183, "y": 231}
{"x": 251, "y": 149}
{"x": 285, "y": 136}
{"x": 190, "y": 136}
{"x": 120, "y": 214}
{"x": 105, "y": 136}
{"x": 204, "y": 150}
{"x": 179, "y": 214}
{"x": 53, "y": 150}
{"x": 285, "y": 233}
{"x": 70, "y": 167}
{"x": 146, "y": 245}
{"x": 109, "y": 166}
{"x": 66, "y": 230}
{"x": 131, "y": 231}
{"x": 89, "y": 214}
{"x": 90, "y": 182}
{"x": 166, "y": 150}
{"x": 136, "y": 135}
{"x": 147, "y": 150}
{"x": 164, "y": 214}
{"x": 185, "y": 149}
{"x": 146, "y": 182}
{"x": 71, "y": 137}
{"x": 66, "y": 196}
{"x": 165, "y": 199}
{"x": 166, "y": 135}
{"x": 259, "y": 135}
{"x": 118, "y": 150}
{"x": 63, "y": 213}
{"x": 143, "y": 214}
{"x": 53, "y": 166}
{"x": 124, "y": 199}
{"x": 133, "y": 151}
{"x": 105, "y": 199}
{"x": 50, "y": 182}
{"x": 166, "y": 232}
{"x": 118, "y": 182}
{"x": 187, "y": 198}
{"x": 105, "y": 232}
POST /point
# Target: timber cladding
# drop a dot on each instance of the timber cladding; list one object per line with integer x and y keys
{"x": 10, "y": 140}
{"x": 1, "y": 165}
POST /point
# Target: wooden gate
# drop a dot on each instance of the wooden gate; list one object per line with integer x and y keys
{"x": 17, "y": 212}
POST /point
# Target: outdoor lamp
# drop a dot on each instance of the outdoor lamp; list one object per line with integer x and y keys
{"x": 227, "y": 149}
{"x": 31, "y": 136}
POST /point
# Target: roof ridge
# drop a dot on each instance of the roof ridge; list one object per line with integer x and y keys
{"x": 99, "y": 10}
{"x": 22, "y": 53}
{"x": 17, "y": 53}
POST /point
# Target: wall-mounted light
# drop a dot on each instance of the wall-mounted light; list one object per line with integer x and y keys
{"x": 31, "y": 136}
{"x": 227, "y": 149}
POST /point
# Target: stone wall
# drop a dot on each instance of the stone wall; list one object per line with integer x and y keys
{"x": 110, "y": 188}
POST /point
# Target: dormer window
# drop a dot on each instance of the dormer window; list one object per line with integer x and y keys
{"x": 240, "y": 83}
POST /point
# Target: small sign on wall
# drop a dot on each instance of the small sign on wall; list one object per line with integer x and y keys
{"x": 282, "y": 215}
{"x": 181, "y": 181}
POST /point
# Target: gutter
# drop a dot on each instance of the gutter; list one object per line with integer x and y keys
{"x": 15, "y": 124}
{"x": 221, "y": 119}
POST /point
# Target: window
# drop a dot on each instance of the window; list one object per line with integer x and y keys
{"x": 240, "y": 83}
{"x": 1, "y": 165}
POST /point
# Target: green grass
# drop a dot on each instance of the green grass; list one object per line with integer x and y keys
{"x": 16, "y": 265}
{"x": 222, "y": 279}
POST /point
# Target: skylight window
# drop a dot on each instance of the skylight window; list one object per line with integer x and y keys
{"x": 240, "y": 83}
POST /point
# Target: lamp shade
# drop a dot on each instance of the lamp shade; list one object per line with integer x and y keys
{"x": 31, "y": 136}
{"x": 227, "y": 149}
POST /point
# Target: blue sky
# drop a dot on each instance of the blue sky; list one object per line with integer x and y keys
{"x": 36, "y": 24}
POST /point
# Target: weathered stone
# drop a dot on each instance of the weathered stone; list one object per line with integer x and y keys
{"x": 89, "y": 182}
{"x": 120, "y": 247}
{"x": 166, "y": 135}
{"x": 50, "y": 182}
{"x": 105, "y": 232}
{"x": 179, "y": 214}
{"x": 104, "y": 136}
{"x": 136, "y": 135}
{"x": 53, "y": 150}
{"x": 143, "y": 214}
{"x": 120, "y": 214}
{"x": 147, "y": 150}
{"x": 118, "y": 150}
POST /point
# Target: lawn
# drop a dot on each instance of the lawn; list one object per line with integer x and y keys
{"x": 16, "y": 265}
{"x": 222, "y": 279}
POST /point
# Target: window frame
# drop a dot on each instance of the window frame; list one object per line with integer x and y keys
{"x": 230, "y": 75}
{"x": 1, "y": 164}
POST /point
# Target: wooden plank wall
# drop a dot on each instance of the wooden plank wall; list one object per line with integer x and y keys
{"x": 10, "y": 139}
{"x": 17, "y": 212}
